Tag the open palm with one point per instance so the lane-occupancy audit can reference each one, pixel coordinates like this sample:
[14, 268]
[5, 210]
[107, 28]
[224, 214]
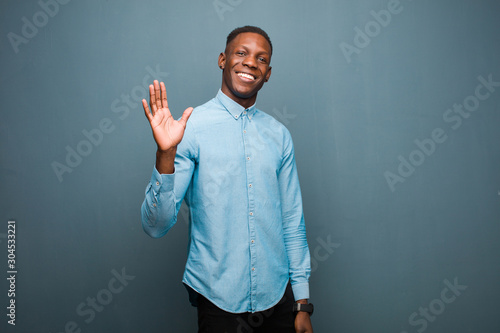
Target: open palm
[167, 131]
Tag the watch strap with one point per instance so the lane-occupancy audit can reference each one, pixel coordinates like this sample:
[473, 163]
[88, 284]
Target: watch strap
[303, 307]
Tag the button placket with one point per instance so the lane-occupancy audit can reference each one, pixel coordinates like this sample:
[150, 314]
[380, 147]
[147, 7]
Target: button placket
[251, 212]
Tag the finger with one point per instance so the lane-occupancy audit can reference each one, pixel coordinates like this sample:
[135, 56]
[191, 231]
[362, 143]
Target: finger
[157, 94]
[146, 110]
[163, 95]
[152, 99]
[185, 116]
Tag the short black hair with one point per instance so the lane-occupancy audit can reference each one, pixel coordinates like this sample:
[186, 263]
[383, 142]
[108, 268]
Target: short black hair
[248, 28]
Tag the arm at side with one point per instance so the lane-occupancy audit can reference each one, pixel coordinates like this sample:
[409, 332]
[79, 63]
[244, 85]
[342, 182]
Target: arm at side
[294, 228]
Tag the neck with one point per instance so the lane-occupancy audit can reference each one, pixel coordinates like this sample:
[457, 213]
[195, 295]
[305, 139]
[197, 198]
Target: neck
[244, 102]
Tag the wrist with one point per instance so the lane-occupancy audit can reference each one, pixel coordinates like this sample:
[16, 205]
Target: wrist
[165, 160]
[166, 152]
[303, 306]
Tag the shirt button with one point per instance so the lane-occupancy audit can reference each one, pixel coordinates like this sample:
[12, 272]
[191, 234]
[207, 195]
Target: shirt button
[251, 213]
[245, 112]
[253, 241]
[235, 116]
[248, 158]
[157, 183]
[250, 185]
[244, 131]
[253, 268]
[154, 205]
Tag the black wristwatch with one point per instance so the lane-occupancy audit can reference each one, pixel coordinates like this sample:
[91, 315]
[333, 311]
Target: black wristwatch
[303, 307]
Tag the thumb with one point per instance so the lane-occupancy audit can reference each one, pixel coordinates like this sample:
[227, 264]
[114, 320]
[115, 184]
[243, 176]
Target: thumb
[185, 116]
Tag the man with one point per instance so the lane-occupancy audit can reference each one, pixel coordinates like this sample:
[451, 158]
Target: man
[248, 260]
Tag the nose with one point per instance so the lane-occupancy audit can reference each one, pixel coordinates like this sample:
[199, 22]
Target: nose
[250, 62]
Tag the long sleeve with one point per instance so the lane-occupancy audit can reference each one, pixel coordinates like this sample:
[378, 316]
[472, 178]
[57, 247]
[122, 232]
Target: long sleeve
[293, 223]
[165, 192]
[235, 168]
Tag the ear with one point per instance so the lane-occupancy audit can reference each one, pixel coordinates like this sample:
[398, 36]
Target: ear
[268, 75]
[222, 60]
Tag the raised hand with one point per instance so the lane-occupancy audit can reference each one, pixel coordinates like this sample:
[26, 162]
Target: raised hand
[167, 131]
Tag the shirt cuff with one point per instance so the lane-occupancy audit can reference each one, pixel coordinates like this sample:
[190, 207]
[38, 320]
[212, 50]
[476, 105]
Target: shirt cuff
[162, 182]
[300, 291]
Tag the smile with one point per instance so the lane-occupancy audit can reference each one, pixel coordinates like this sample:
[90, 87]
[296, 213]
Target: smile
[246, 76]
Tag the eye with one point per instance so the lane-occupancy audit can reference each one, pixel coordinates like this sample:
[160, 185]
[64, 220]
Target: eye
[261, 59]
[240, 53]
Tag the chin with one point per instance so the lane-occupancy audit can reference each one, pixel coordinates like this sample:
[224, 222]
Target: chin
[245, 92]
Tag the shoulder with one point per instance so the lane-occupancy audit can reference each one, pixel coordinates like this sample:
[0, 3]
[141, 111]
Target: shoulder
[205, 113]
[209, 106]
[272, 124]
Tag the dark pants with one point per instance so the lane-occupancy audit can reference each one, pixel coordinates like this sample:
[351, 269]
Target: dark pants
[278, 319]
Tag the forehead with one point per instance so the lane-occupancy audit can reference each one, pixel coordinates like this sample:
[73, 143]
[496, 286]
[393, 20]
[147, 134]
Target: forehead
[251, 39]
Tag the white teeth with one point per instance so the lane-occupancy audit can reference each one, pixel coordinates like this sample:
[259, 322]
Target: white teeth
[247, 76]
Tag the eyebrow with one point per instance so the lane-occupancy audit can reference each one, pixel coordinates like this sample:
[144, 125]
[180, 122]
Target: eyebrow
[246, 48]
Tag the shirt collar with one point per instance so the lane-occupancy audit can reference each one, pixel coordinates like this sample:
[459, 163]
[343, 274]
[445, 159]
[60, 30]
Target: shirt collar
[234, 108]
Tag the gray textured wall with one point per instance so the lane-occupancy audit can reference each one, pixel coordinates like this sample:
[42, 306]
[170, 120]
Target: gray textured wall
[396, 132]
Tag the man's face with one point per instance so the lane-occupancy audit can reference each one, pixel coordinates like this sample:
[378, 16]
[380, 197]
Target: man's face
[245, 65]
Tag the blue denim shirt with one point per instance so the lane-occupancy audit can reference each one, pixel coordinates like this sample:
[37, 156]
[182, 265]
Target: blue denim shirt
[236, 170]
